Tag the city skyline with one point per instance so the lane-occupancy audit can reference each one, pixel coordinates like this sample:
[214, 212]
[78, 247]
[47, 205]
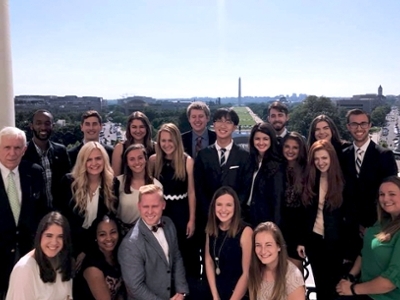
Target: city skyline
[182, 49]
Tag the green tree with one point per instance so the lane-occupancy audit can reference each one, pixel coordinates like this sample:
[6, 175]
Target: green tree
[378, 115]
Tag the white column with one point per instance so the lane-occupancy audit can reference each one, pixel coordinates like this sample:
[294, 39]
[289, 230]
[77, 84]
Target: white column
[7, 113]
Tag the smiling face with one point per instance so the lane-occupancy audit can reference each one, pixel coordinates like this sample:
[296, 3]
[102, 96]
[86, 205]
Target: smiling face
[266, 248]
[291, 150]
[138, 131]
[322, 160]
[224, 128]
[107, 235]
[42, 125]
[359, 134]
[91, 128]
[225, 208]
[136, 161]
[198, 120]
[389, 198]
[151, 207]
[95, 162]
[51, 241]
[262, 142]
[323, 131]
[12, 148]
[167, 144]
[278, 120]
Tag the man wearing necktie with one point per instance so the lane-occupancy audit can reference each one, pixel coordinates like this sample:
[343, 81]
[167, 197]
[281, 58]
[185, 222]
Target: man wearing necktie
[151, 264]
[23, 201]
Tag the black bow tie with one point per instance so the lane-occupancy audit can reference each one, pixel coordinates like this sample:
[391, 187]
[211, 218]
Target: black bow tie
[154, 228]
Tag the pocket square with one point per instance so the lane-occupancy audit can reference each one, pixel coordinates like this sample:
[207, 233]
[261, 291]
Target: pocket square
[233, 167]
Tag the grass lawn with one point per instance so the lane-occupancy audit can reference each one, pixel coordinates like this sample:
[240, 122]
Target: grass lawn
[244, 117]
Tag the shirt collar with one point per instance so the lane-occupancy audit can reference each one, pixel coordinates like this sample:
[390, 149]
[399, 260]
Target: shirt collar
[5, 171]
[227, 148]
[204, 135]
[363, 147]
[40, 151]
[282, 135]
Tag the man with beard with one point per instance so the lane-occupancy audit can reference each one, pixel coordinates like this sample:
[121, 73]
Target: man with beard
[278, 118]
[53, 157]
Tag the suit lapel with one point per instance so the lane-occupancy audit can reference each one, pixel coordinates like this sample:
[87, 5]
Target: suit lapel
[231, 158]
[368, 157]
[4, 203]
[25, 187]
[152, 241]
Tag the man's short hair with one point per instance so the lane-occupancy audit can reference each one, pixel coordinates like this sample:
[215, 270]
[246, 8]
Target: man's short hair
[91, 113]
[356, 112]
[14, 132]
[200, 106]
[279, 106]
[45, 111]
[228, 114]
[150, 189]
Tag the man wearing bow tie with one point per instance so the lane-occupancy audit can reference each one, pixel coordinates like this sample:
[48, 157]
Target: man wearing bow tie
[152, 266]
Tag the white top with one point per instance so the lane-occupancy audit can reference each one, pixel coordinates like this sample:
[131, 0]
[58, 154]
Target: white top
[227, 148]
[294, 279]
[128, 203]
[162, 240]
[25, 283]
[91, 209]
[363, 149]
[4, 174]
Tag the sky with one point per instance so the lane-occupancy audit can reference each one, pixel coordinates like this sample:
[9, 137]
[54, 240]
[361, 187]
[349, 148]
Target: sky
[199, 48]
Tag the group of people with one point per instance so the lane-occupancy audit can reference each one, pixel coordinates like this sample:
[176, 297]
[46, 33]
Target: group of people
[196, 216]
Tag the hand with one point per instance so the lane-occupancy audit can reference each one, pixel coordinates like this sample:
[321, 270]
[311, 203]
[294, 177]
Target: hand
[190, 229]
[178, 297]
[301, 250]
[343, 288]
[78, 262]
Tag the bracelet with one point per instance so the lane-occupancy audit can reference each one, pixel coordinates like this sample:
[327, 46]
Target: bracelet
[353, 292]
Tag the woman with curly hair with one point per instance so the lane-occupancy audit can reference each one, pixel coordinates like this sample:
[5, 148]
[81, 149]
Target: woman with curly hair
[267, 189]
[138, 131]
[272, 276]
[88, 192]
[45, 272]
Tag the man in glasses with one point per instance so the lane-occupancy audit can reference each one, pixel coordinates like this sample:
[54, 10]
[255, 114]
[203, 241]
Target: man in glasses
[366, 164]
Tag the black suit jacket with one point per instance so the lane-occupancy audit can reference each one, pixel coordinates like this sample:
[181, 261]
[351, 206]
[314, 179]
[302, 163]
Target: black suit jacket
[73, 152]
[82, 239]
[33, 207]
[188, 136]
[362, 191]
[210, 176]
[59, 162]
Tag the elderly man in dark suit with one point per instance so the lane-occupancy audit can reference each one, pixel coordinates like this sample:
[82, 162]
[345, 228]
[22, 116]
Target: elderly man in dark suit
[22, 201]
[151, 264]
[91, 125]
[365, 165]
[53, 157]
[199, 137]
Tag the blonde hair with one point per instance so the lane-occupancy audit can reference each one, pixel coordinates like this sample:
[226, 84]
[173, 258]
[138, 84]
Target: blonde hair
[178, 156]
[80, 185]
[150, 189]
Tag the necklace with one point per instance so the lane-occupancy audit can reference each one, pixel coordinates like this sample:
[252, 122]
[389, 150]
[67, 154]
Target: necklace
[217, 269]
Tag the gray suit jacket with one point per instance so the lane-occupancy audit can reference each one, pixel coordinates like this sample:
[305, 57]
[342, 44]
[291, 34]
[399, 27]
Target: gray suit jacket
[145, 270]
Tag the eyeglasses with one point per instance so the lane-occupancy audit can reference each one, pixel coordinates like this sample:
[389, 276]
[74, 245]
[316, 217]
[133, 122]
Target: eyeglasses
[363, 125]
[220, 122]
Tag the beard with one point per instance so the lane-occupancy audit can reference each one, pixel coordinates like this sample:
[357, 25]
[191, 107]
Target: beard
[41, 138]
[278, 126]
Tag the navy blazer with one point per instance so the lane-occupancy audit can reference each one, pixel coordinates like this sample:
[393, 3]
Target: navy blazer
[59, 162]
[145, 270]
[210, 176]
[362, 191]
[187, 140]
[73, 152]
[33, 207]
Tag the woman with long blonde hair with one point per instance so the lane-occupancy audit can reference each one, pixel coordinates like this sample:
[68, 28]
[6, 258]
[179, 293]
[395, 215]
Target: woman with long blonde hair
[89, 191]
[174, 169]
[272, 275]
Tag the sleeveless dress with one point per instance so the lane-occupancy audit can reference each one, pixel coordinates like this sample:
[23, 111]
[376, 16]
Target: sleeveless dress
[229, 253]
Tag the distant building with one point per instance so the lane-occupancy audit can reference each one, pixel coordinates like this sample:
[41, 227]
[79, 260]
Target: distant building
[131, 104]
[366, 102]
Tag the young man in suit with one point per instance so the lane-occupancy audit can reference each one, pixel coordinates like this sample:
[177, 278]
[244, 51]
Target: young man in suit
[278, 116]
[151, 264]
[91, 125]
[53, 157]
[365, 165]
[22, 201]
[199, 137]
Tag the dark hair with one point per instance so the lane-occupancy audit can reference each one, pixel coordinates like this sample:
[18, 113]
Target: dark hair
[334, 197]
[128, 174]
[47, 272]
[357, 112]
[336, 140]
[213, 222]
[44, 111]
[91, 113]
[228, 114]
[279, 106]
[389, 226]
[272, 152]
[300, 163]
[95, 225]
[147, 142]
